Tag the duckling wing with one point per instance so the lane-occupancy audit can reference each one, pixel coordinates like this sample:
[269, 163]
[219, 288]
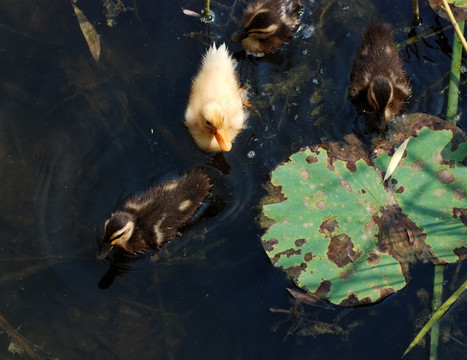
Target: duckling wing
[172, 205]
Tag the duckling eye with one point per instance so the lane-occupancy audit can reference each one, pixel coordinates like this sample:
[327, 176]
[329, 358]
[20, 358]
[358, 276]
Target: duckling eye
[208, 123]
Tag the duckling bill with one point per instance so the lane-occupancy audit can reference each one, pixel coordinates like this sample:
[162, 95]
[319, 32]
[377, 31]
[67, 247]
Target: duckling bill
[148, 221]
[269, 24]
[379, 86]
[215, 114]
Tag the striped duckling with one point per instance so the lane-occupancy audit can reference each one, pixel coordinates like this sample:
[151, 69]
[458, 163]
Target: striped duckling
[379, 87]
[268, 24]
[148, 221]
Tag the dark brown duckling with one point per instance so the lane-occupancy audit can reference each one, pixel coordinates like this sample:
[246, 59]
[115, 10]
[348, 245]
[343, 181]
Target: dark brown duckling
[268, 24]
[148, 221]
[378, 86]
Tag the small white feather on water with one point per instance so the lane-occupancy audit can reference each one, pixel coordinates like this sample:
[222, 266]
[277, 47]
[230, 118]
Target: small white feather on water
[396, 158]
[191, 13]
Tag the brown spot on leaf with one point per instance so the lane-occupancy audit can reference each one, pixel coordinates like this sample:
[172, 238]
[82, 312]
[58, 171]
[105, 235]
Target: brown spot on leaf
[295, 271]
[400, 237]
[350, 150]
[460, 213]
[370, 225]
[320, 204]
[445, 176]
[305, 174]
[300, 242]
[308, 256]
[461, 252]
[351, 166]
[328, 226]
[373, 258]
[384, 292]
[345, 184]
[459, 194]
[340, 250]
[311, 159]
[345, 275]
[269, 244]
[352, 300]
[418, 165]
[288, 253]
[400, 190]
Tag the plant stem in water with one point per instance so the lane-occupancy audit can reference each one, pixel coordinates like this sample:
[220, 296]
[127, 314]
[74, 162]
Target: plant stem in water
[207, 15]
[453, 95]
[415, 13]
[435, 304]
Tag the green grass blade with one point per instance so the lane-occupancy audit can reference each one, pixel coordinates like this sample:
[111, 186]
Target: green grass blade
[437, 315]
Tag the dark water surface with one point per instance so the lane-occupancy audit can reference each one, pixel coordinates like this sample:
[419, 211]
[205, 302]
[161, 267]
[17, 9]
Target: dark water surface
[77, 137]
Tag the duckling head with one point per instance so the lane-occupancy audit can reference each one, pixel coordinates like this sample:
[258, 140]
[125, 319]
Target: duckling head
[263, 32]
[261, 25]
[117, 231]
[215, 124]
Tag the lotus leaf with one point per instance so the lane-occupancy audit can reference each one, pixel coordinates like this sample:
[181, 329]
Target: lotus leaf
[343, 235]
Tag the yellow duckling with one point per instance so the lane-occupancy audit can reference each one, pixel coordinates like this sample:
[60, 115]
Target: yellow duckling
[269, 24]
[378, 86]
[215, 113]
[150, 220]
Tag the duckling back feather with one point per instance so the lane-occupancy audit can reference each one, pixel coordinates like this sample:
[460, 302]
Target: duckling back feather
[218, 72]
[159, 213]
[215, 83]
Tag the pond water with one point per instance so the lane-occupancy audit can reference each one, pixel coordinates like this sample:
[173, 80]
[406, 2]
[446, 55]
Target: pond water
[79, 136]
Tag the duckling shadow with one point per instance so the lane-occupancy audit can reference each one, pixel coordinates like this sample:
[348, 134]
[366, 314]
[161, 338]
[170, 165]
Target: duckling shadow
[118, 266]
[219, 162]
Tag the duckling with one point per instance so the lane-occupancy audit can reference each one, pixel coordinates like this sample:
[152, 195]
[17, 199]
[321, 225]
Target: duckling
[378, 86]
[150, 220]
[268, 24]
[215, 114]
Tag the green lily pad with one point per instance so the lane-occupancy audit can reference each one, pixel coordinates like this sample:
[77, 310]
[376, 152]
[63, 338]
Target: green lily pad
[343, 235]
